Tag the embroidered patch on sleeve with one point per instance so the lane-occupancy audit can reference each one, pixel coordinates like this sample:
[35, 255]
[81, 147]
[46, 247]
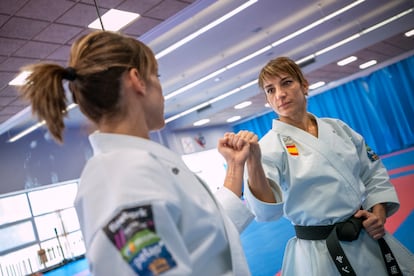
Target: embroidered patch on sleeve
[371, 154]
[133, 233]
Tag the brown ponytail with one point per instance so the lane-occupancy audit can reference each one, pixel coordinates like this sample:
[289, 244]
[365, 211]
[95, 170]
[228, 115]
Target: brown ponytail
[96, 63]
[44, 89]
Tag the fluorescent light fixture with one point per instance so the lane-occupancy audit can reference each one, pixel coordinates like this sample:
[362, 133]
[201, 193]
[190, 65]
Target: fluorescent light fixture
[355, 36]
[316, 85]
[35, 126]
[26, 131]
[367, 64]
[201, 122]
[249, 57]
[204, 29]
[346, 61]
[209, 102]
[20, 79]
[336, 45]
[316, 23]
[243, 105]
[385, 22]
[233, 119]
[260, 51]
[114, 20]
[193, 84]
[305, 59]
[409, 33]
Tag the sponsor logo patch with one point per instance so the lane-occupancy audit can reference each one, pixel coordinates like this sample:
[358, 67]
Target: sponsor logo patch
[133, 233]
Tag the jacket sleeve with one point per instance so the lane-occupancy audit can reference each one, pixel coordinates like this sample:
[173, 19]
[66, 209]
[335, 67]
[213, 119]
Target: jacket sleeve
[374, 175]
[235, 208]
[264, 211]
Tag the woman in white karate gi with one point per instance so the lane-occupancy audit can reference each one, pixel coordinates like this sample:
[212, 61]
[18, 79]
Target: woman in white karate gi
[141, 210]
[318, 172]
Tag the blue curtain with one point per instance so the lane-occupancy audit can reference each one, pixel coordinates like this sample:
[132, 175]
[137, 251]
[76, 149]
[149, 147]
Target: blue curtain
[379, 106]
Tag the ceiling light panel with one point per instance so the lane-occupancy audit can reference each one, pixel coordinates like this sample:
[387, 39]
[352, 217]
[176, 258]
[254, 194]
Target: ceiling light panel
[316, 85]
[243, 105]
[201, 122]
[346, 61]
[233, 119]
[409, 33]
[20, 79]
[114, 20]
[367, 64]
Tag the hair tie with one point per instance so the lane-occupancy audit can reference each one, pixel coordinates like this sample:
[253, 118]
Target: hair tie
[69, 74]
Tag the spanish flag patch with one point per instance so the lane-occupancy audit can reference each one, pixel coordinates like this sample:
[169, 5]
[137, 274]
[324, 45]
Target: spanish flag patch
[290, 146]
[292, 149]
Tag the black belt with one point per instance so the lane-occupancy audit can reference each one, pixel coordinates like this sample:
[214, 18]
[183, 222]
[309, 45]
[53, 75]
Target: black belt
[345, 231]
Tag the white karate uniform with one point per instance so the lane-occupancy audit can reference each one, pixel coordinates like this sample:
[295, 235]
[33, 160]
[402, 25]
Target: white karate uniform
[321, 181]
[179, 220]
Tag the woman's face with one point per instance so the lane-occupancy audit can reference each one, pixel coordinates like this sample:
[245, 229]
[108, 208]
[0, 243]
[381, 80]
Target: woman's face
[155, 107]
[286, 95]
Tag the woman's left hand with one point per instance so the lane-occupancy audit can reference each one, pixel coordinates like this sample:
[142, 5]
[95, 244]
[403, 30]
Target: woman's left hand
[374, 221]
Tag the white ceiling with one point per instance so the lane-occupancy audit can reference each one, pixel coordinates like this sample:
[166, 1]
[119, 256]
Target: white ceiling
[34, 30]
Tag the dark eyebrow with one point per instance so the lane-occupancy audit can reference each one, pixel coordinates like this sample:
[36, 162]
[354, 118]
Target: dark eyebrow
[268, 86]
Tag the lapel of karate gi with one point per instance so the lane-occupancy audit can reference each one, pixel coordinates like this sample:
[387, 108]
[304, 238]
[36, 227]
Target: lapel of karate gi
[320, 146]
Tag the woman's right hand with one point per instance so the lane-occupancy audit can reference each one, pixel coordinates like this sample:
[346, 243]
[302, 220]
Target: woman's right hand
[248, 136]
[234, 149]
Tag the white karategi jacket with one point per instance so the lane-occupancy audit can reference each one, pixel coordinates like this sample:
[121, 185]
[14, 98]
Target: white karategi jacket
[321, 181]
[142, 212]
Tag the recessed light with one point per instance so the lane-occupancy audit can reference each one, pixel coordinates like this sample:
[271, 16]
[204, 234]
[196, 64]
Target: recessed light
[243, 105]
[201, 122]
[346, 61]
[20, 79]
[114, 20]
[316, 85]
[367, 64]
[409, 33]
[233, 119]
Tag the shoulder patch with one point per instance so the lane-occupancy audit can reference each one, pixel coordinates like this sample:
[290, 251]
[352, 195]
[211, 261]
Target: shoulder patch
[371, 154]
[133, 233]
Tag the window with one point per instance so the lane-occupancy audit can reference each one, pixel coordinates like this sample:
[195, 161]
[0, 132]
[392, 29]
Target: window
[25, 261]
[209, 165]
[42, 219]
[16, 235]
[14, 208]
[52, 199]
[57, 223]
